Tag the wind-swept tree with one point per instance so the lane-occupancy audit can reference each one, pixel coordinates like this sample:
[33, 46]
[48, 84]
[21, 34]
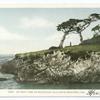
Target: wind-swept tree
[73, 25]
[66, 28]
[81, 26]
[86, 23]
[76, 25]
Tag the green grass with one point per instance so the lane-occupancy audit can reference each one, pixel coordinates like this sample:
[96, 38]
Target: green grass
[78, 48]
[74, 51]
[81, 51]
[31, 53]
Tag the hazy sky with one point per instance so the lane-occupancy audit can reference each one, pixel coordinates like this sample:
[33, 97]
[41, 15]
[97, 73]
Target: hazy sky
[31, 29]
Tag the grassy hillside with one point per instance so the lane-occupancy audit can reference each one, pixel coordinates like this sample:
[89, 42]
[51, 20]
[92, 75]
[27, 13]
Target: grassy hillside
[82, 50]
[74, 51]
[94, 40]
[79, 48]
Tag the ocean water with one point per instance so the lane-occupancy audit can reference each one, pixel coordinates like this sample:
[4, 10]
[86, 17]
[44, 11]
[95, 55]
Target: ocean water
[11, 83]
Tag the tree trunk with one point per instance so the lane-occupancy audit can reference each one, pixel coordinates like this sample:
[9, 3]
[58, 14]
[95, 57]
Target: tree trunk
[62, 40]
[81, 37]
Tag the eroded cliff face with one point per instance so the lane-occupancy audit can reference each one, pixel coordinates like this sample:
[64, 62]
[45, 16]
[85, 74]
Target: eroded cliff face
[56, 67]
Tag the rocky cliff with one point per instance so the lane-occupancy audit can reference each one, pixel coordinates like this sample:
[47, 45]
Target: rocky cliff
[56, 66]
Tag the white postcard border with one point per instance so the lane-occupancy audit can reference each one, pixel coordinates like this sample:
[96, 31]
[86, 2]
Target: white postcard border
[49, 92]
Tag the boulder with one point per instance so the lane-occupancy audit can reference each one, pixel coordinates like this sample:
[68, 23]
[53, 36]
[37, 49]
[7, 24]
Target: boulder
[9, 67]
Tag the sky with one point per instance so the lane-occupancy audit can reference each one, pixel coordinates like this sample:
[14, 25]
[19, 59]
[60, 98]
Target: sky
[33, 29]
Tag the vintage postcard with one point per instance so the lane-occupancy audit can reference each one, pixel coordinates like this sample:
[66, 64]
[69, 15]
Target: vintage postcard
[50, 50]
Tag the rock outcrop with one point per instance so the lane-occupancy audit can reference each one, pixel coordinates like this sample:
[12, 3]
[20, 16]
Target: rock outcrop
[9, 67]
[56, 67]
